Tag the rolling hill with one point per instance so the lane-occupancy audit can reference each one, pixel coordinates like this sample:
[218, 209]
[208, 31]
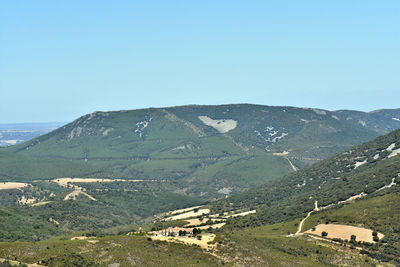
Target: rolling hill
[362, 170]
[355, 188]
[358, 187]
[210, 150]
[182, 156]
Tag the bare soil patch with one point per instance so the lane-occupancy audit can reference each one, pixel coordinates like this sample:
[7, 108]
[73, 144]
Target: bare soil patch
[222, 126]
[182, 210]
[344, 232]
[203, 243]
[12, 185]
[188, 214]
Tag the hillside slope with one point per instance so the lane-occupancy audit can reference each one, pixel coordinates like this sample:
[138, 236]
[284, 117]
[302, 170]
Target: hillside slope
[357, 188]
[363, 170]
[209, 149]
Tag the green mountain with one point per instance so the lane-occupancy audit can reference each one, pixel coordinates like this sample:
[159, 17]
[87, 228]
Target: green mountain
[183, 156]
[363, 169]
[359, 187]
[208, 149]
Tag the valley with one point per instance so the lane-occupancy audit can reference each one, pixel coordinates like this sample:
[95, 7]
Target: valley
[231, 184]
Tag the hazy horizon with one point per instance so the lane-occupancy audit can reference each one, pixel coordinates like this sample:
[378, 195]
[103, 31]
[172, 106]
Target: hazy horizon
[65, 122]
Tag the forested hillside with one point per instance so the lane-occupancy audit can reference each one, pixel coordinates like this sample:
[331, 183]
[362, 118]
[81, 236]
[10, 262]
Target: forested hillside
[365, 170]
[209, 149]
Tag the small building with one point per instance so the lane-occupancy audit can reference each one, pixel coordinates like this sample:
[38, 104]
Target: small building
[173, 231]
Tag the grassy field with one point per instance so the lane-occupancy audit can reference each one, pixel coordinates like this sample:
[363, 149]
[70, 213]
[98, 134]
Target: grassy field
[269, 246]
[379, 213]
[106, 251]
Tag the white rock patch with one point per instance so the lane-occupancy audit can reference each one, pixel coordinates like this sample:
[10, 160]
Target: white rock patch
[388, 186]
[359, 163]
[376, 156]
[335, 117]
[390, 148]
[319, 112]
[363, 123]
[141, 125]
[222, 126]
[394, 153]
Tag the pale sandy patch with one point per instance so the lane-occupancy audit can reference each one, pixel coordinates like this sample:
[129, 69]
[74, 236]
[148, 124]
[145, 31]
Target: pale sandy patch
[89, 238]
[196, 221]
[67, 182]
[391, 146]
[359, 163]
[362, 194]
[284, 153]
[77, 192]
[394, 153]
[319, 111]
[40, 203]
[213, 226]
[344, 232]
[241, 214]
[25, 200]
[219, 216]
[12, 185]
[205, 238]
[64, 181]
[17, 263]
[53, 221]
[222, 126]
[182, 210]
[188, 214]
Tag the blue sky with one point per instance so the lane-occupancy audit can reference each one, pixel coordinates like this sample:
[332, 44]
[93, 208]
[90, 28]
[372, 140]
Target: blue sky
[62, 59]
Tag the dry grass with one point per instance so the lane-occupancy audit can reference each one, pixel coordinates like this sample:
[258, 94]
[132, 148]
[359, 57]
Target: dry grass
[12, 185]
[64, 181]
[182, 210]
[344, 232]
[241, 214]
[188, 214]
[213, 226]
[203, 243]
[17, 263]
[40, 203]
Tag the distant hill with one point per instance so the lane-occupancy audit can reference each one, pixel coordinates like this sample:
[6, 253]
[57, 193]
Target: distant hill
[187, 156]
[16, 133]
[359, 187]
[210, 150]
[364, 170]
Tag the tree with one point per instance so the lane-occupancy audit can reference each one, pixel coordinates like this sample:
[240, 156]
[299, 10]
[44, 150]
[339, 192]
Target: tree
[196, 231]
[182, 233]
[324, 233]
[353, 239]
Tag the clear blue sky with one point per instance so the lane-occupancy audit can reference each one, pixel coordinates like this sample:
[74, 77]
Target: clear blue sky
[62, 59]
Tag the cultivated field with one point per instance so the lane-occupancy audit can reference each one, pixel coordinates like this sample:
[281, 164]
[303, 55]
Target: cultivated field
[203, 243]
[344, 232]
[12, 185]
[188, 214]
